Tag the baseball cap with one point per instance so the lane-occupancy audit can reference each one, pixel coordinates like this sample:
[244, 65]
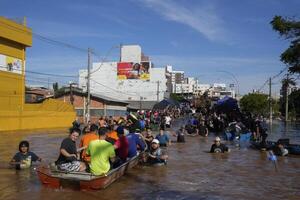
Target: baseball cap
[155, 141]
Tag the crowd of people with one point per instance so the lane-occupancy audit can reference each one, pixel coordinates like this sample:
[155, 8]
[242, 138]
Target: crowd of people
[111, 142]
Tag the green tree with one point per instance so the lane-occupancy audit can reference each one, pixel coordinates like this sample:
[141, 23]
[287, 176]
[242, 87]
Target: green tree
[176, 97]
[290, 30]
[285, 83]
[294, 103]
[255, 103]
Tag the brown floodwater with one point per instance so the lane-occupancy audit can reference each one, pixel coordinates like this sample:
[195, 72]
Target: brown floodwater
[191, 172]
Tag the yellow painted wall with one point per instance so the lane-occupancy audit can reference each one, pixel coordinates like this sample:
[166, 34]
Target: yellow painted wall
[14, 113]
[49, 114]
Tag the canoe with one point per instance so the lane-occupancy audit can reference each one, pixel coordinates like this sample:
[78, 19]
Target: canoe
[83, 180]
[293, 149]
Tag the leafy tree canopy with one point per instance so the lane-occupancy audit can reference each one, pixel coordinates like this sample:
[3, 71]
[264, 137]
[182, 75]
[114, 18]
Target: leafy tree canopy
[255, 103]
[289, 29]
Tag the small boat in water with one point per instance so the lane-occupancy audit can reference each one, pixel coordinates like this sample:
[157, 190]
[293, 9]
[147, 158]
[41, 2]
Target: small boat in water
[293, 149]
[83, 180]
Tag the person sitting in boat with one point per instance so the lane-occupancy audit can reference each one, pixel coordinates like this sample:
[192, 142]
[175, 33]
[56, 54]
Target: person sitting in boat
[68, 157]
[24, 158]
[87, 128]
[112, 135]
[156, 155]
[279, 150]
[86, 139]
[135, 141]
[218, 147]
[121, 145]
[101, 153]
[163, 138]
[148, 138]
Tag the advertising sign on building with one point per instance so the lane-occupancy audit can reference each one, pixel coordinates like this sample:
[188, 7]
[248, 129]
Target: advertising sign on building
[130, 70]
[10, 64]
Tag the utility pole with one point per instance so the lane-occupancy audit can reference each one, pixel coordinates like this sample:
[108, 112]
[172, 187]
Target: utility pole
[87, 117]
[270, 99]
[141, 98]
[287, 98]
[157, 93]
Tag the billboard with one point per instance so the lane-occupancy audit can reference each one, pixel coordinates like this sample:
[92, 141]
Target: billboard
[131, 70]
[10, 64]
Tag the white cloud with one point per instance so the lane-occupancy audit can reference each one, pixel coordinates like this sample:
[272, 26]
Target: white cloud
[202, 19]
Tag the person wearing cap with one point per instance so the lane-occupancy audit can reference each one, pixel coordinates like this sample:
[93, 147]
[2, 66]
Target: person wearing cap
[102, 153]
[86, 139]
[121, 145]
[218, 147]
[156, 155]
[24, 158]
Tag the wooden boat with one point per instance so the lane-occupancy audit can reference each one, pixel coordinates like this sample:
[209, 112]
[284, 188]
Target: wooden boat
[83, 180]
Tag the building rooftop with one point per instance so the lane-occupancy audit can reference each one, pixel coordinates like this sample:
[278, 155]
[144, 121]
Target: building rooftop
[78, 91]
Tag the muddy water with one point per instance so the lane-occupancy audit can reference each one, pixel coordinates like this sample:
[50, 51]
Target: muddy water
[191, 173]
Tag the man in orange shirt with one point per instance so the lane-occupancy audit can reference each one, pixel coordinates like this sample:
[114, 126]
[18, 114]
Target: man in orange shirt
[86, 139]
[112, 135]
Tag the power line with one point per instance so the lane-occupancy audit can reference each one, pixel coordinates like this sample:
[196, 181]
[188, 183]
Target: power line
[273, 77]
[41, 73]
[60, 43]
[49, 40]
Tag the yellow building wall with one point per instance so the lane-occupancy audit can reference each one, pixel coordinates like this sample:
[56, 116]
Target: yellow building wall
[14, 113]
[49, 114]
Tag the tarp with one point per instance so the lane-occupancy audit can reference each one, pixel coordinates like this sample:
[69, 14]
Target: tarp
[165, 103]
[227, 104]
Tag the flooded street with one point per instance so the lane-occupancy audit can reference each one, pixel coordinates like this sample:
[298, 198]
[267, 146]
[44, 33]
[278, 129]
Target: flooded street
[191, 173]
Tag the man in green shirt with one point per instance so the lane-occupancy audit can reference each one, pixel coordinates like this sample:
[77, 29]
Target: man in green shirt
[101, 152]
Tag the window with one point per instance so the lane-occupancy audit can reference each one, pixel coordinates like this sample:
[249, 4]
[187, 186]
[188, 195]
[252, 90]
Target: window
[96, 112]
[79, 112]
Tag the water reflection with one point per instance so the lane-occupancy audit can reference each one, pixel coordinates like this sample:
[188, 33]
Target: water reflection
[191, 173]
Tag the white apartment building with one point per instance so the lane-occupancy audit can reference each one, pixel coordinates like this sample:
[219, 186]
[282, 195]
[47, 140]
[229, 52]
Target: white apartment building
[121, 80]
[174, 77]
[219, 90]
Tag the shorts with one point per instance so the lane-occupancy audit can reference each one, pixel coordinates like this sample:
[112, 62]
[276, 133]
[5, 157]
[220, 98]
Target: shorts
[73, 166]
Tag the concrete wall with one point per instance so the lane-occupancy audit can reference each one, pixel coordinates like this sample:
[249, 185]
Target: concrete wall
[14, 113]
[49, 114]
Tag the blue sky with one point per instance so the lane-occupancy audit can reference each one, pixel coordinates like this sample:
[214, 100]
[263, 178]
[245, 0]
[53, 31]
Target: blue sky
[201, 37]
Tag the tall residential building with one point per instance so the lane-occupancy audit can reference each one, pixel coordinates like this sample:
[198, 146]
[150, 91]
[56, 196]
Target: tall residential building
[173, 78]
